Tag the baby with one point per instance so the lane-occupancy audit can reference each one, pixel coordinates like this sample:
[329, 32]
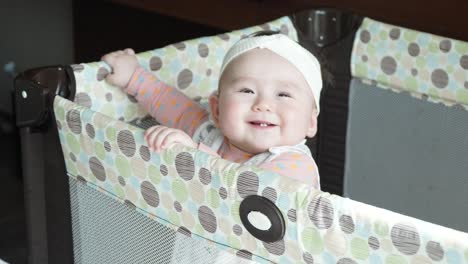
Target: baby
[266, 104]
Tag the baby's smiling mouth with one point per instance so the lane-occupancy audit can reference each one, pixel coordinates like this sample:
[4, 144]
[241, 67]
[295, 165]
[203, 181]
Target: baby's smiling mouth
[263, 124]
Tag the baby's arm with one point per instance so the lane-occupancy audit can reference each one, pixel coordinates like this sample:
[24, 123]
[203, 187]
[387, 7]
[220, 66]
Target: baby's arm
[166, 104]
[296, 166]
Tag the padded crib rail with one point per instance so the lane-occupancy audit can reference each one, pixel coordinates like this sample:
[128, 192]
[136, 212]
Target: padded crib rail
[199, 195]
[191, 66]
[427, 66]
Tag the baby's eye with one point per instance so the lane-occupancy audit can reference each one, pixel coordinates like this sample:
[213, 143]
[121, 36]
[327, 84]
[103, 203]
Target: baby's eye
[283, 94]
[246, 90]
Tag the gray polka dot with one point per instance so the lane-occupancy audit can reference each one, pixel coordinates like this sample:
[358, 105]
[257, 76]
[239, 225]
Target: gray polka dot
[130, 204]
[203, 50]
[466, 85]
[97, 169]
[77, 67]
[413, 49]
[439, 78]
[405, 238]
[81, 179]
[388, 65]
[320, 211]
[247, 184]
[126, 143]
[414, 72]
[292, 215]
[464, 62]
[284, 29]
[90, 130]
[180, 46]
[270, 194]
[149, 193]
[365, 36]
[265, 26]
[224, 37]
[184, 231]
[308, 259]
[163, 170]
[131, 99]
[435, 251]
[204, 175]
[83, 99]
[74, 121]
[107, 146]
[184, 79]
[145, 153]
[237, 229]
[155, 63]
[59, 125]
[394, 33]
[185, 165]
[222, 193]
[72, 156]
[122, 181]
[347, 224]
[373, 243]
[207, 219]
[208, 72]
[346, 261]
[108, 97]
[177, 206]
[244, 254]
[424, 97]
[364, 58]
[275, 248]
[102, 73]
[445, 45]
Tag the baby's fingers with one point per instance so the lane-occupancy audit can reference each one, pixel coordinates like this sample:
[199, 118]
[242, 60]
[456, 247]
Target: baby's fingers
[155, 135]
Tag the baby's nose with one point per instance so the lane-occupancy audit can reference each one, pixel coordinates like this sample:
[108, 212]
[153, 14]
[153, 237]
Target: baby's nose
[262, 107]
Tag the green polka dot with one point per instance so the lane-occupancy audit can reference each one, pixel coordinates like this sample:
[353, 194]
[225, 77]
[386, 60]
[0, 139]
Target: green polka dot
[461, 47]
[100, 150]
[420, 62]
[213, 198]
[410, 36]
[234, 242]
[462, 95]
[395, 259]
[171, 52]
[71, 168]
[174, 218]
[59, 113]
[229, 176]
[466, 255]
[449, 69]
[199, 229]
[433, 47]
[119, 192]
[303, 198]
[383, 35]
[371, 50]
[123, 166]
[73, 143]
[130, 111]
[411, 83]
[110, 133]
[179, 190]
[235, 212]
[359, 248]
[168, 156]
[381, 229]
[382, 78]
[312, 240]
[361, 69]
[154, 174]
[108, 109]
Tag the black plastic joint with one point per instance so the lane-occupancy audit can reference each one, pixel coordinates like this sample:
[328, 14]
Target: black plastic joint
[35, 90]
[266, 209]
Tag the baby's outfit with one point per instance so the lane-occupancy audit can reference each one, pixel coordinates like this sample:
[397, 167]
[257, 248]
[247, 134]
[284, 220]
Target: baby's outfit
[172, 108]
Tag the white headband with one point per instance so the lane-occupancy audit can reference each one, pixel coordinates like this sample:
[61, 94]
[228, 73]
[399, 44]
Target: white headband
[285, 47]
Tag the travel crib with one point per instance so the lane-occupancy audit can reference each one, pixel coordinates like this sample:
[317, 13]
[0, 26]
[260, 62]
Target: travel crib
[122, 203]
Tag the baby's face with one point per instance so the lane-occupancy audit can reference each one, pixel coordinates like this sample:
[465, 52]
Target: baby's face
[263, 102]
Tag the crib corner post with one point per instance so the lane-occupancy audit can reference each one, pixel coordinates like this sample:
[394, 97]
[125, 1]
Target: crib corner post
[46, 192]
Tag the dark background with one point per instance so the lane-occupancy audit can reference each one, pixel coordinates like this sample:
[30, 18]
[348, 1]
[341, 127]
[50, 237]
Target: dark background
[49, 32]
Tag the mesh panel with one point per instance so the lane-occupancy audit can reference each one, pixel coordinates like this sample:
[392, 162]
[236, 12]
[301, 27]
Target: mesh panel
[107, 231]
[407, 155]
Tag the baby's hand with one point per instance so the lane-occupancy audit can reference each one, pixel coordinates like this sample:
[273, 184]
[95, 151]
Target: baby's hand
[161, 137]
[123, 64]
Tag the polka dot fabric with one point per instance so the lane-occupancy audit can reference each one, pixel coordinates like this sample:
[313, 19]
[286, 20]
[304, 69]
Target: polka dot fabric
[191, 66]
[427, 66]
[199, 195]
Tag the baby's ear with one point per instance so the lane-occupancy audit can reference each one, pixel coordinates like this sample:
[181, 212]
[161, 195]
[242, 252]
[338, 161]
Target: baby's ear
[214, 107]
[312, 129]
